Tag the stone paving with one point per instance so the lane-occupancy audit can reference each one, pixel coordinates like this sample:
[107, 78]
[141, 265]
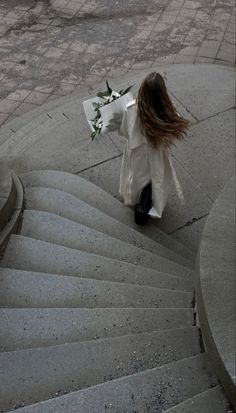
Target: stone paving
[52, 48]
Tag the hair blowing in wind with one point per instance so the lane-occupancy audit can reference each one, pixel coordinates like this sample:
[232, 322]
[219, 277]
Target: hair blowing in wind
[160, 122]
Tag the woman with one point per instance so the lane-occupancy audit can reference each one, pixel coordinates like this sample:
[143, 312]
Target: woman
[151, 125]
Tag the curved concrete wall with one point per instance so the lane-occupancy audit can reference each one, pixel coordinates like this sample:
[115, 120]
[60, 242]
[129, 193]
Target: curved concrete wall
[11, 203]
[7, 194]
[215, 288]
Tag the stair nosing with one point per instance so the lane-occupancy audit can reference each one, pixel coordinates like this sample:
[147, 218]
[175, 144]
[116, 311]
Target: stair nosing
[164, 260]
[187, 263]
[107, 339]
[18, 236]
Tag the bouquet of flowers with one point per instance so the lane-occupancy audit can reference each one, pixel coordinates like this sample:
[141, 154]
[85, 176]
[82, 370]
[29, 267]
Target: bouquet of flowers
[104, 112]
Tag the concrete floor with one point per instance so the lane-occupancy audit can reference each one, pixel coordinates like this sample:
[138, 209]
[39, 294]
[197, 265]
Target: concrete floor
[52, 48]
[56, 136]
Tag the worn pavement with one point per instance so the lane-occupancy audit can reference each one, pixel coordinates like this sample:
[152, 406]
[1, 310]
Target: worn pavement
[52, 48]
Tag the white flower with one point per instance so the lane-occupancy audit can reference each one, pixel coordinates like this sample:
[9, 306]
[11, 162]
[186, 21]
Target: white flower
[115, 94]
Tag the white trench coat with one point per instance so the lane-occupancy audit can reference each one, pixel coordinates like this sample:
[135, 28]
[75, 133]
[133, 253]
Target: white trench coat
[141, 164]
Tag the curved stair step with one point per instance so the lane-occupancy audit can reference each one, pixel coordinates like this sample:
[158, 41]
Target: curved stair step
[36, 374]
[18, 142]
[127, 273]
[51, 228]
[68, 206]
[98, 198]
[53, 117]
[35, 117]
[64, 145]
[49, 118]
[30, 289]
[151, 391]
[39, 327]
[39, 256]
[209, 401]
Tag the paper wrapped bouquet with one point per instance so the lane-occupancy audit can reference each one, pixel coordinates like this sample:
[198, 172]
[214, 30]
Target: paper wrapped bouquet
[104, 112]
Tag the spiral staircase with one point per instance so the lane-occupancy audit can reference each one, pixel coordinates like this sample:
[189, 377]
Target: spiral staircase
[96, 309]
[97, 314]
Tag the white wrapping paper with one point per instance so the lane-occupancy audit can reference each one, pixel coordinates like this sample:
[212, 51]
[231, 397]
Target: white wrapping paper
[111, 113]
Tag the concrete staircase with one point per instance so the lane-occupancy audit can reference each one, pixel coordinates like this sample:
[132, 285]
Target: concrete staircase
[97, 313]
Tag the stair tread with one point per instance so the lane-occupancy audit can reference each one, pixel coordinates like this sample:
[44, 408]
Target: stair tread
[34, 289]
[129, 273]
[38, 120]
[68, 206]
[209, 401]
[44, 370]
[149, 391]
[95, 196]
[35, 255]
[52, 228]
[38, 327]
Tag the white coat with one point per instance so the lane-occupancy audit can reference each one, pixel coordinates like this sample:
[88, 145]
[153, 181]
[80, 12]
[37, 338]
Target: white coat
[142, 163]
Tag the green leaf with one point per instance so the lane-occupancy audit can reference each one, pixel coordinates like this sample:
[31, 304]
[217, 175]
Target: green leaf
[96, 106]
[126, 90]
[101, 94]
[108, 88]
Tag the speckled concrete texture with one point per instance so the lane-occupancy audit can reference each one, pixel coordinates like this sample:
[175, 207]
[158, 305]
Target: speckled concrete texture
[216, 287]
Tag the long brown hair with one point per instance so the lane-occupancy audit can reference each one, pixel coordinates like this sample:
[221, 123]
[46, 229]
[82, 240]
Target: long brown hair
[159, 119]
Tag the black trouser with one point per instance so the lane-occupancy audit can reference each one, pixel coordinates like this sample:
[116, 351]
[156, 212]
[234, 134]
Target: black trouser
[142, 209]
